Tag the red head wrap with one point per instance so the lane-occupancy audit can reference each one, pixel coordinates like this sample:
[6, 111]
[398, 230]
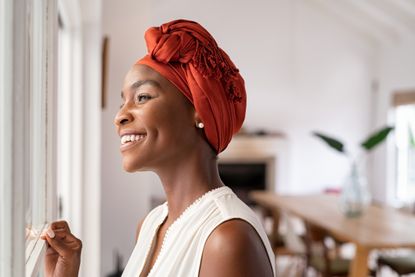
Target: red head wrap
[187, 55]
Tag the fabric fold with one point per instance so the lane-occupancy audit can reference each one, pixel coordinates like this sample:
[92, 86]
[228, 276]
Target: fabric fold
[186, 54]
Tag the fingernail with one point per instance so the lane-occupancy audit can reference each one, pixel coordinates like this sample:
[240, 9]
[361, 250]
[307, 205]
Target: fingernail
[50, 233]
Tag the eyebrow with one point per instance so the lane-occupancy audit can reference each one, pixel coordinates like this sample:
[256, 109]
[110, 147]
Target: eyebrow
[139, 83]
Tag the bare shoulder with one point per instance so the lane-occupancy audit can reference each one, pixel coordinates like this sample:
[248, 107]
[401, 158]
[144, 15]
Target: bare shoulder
[234, 248]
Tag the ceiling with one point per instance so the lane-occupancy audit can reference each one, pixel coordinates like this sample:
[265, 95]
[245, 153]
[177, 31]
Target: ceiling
[382, 20]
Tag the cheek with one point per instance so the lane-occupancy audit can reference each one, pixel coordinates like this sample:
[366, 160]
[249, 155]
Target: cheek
[170, 123]
[156, 117]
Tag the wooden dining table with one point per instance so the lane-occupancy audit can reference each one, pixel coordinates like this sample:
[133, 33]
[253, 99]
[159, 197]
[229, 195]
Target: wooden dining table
[379, 227]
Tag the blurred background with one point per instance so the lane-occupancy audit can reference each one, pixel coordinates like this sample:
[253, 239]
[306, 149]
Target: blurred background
[344, 68]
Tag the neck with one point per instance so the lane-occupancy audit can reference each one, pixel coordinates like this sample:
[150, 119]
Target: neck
[186, 181]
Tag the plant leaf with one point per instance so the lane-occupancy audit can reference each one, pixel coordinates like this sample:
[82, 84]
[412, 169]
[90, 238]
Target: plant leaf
[376, 138]
[334, 143]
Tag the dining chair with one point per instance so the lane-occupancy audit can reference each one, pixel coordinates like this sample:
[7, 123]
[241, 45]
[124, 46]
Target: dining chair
[319, 256]
[288, 245]
[402, 265]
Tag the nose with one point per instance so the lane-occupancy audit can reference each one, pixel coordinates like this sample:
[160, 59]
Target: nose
[123, 117]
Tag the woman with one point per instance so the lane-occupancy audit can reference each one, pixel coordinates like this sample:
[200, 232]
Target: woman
[182, 103]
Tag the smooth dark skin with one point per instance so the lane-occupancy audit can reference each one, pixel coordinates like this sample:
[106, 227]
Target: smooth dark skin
[63, 254]
[179, 154]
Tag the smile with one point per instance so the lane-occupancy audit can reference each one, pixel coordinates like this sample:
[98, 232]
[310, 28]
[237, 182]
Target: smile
[131, 139]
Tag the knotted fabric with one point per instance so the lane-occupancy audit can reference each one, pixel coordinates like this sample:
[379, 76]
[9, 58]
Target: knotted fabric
[187, 55]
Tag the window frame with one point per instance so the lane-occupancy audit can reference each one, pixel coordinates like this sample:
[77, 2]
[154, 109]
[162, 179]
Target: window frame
[84, 204]
[12, 215]
[18, 256]
[398, 98]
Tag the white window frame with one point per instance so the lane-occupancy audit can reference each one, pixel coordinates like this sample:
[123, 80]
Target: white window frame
[85, 153]
[69, 169]
[82, 27]
[18, 83]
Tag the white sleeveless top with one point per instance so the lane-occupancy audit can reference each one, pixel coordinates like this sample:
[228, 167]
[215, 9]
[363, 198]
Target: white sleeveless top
[182, 247]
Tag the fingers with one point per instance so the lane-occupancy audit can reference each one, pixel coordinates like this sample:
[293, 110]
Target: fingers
[57, 227]
[60, 225]
[61, 240]
[48, 232]
[67, 247]
[63, 254]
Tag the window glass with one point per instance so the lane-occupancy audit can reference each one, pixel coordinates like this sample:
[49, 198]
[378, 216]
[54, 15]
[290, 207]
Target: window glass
[4, 151]
[64, 123]
[38, 117]
[35, 117]
[405, 146]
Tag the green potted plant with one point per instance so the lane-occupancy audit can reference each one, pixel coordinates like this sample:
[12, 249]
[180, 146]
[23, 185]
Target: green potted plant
[355, 195]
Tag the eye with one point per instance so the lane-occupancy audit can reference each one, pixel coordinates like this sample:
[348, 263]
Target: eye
[122, 105]
[141, 98]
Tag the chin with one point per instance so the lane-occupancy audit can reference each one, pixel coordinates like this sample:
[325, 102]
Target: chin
[129, 167]
[129, 170]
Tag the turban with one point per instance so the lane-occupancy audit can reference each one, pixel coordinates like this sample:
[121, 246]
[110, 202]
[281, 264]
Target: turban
[187, 55]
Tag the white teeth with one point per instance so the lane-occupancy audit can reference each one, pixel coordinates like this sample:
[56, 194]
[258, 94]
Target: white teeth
[129, 138]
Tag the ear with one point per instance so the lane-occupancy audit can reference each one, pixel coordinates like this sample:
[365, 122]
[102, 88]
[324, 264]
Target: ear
[198, 121]
[196, 117]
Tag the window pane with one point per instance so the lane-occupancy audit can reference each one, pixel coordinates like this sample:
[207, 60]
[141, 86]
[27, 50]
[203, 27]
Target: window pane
[405, 144]
[26, 118]
[64, 123]
[5, 151]
[38, 116]
[35, 190]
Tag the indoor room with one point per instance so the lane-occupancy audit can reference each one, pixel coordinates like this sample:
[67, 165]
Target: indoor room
[324, 156]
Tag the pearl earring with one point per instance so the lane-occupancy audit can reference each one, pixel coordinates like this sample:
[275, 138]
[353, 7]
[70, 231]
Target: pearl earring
[200, 125]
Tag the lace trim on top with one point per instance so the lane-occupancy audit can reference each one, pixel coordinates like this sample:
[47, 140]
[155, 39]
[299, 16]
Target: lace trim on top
[175, 222]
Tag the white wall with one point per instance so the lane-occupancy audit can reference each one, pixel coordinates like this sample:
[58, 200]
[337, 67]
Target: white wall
[304, 71]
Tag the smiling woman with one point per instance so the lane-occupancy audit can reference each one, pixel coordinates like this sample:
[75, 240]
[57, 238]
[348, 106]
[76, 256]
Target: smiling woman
[181, 105]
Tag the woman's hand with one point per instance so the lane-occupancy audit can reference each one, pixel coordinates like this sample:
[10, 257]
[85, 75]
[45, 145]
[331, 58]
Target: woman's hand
[63, 255]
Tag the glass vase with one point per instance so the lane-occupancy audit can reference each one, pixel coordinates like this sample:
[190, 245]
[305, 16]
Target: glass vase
[355, 196]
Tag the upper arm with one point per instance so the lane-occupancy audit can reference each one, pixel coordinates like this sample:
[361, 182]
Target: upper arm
[137, 232]
[235, 249]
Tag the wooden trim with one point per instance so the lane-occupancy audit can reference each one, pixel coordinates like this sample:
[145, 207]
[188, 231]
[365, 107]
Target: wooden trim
[403, 97]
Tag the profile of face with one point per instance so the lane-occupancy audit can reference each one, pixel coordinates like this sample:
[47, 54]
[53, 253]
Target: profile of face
[156, 122]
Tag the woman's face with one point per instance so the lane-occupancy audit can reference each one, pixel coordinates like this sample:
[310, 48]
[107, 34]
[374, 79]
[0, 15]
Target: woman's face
[156, 123]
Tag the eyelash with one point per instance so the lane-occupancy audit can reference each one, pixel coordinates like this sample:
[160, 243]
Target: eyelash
[148, 97]
[140, 96]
